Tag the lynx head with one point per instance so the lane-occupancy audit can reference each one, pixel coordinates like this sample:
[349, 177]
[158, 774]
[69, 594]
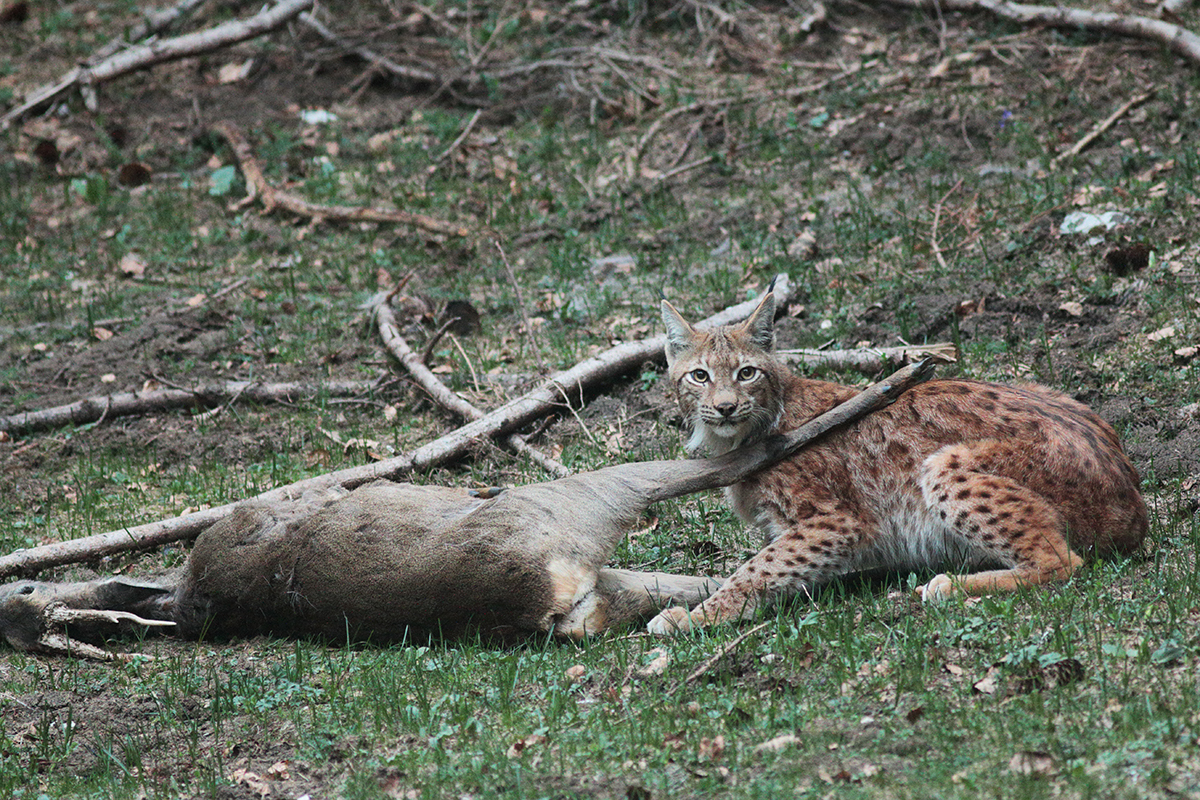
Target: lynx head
[728, 383]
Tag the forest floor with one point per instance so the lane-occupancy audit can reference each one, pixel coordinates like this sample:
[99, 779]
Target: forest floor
[908, 171]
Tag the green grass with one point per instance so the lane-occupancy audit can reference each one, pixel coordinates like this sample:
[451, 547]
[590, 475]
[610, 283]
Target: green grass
[1084, 690]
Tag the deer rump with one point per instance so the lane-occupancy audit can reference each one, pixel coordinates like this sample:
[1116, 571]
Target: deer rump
[395, 561]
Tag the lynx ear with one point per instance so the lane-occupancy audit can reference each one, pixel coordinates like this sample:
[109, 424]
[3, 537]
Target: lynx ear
[760, 326]
[679, 331]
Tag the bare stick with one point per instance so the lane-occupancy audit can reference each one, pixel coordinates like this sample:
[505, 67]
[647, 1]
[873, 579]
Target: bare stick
[870, 359]
[1099, 128]
[272, 198]
[726, 650]
[366, 54]
[512, 278]
[597, 369]
[124, 404]
[462, 137]
[154, 22]
[157, 52]
[393, 340]
[1176, 37]
[933, 231]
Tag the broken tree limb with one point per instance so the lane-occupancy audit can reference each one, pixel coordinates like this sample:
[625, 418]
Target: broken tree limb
[393, 340]
[272, 198]
[1176, 37]
[870, 359]
[599, 368]
[155, 52]
[122, 404]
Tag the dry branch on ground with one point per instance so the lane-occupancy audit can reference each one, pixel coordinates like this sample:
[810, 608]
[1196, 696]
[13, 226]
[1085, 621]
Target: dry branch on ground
[441, 394]
[123, 404]
[1176, 37]
[870, 359]
[123, 62]
[272, 198]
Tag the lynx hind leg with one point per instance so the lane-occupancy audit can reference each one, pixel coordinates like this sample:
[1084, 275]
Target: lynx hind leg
[617, 596]
[998, 517]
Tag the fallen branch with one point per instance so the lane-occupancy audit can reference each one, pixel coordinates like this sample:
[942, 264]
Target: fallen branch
[870, 359]
[366, 54]
[257, 187]
[504, 420]
[726, 650]
[141, 56]
[1176, 37]
[393, 340]
[1099, 128]
[123, 404]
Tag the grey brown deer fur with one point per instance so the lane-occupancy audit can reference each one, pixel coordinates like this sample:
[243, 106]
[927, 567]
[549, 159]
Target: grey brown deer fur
[392, 561]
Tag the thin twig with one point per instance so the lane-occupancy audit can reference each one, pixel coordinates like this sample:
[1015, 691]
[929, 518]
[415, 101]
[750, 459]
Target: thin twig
[726, 650]
[933, 232]
[682, 168]
[383, 63]
[574, 413]
[512, 278]
[462, 137]
[427, 351]
[1099, 128]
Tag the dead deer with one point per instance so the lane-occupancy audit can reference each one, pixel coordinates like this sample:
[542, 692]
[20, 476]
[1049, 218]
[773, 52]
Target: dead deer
[394, 561]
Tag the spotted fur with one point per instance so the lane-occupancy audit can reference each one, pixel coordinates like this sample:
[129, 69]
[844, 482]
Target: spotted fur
[1006, 486]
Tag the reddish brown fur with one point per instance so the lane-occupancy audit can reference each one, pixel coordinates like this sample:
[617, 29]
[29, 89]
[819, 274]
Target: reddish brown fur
[956, 473]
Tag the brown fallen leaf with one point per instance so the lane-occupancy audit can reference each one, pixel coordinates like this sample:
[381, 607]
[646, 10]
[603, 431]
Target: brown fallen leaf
[518, 748]
[712, 749]
[132, 266]
[989, 683]
[777, 744]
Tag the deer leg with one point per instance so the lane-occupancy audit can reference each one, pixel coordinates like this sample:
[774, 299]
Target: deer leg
[619, 596]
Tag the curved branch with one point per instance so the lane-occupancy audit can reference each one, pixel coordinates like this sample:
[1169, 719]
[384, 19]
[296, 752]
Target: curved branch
[1176, 37]
[389, 332]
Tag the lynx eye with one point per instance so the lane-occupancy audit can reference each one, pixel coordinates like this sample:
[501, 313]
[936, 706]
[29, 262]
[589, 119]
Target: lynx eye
[747, 373]
[699, 375]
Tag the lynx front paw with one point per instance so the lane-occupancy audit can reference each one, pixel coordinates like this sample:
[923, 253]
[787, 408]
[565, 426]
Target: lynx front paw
[937, 589]
[670, 621]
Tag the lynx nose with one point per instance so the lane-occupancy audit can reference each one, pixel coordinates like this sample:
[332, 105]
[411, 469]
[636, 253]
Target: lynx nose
[726, 409]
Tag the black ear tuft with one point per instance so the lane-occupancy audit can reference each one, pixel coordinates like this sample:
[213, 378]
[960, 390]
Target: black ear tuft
[760, 326]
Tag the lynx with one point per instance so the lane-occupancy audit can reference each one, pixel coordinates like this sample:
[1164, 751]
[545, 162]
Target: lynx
[1017, 481]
